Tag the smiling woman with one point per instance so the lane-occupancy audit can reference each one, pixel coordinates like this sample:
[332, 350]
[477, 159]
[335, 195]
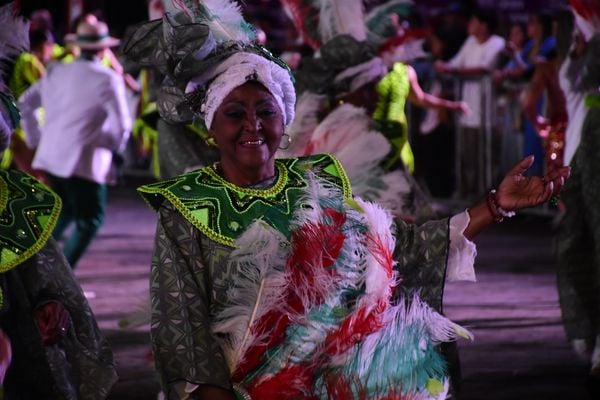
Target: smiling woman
[250, 128]
[269, 280]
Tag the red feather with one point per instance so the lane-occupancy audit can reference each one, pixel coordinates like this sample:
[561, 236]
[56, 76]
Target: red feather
[382, 253]
[314, 247]
[588, 9]
[390, 44]
[305, 18]
[342, 388]
[354, 328]
[290, 383]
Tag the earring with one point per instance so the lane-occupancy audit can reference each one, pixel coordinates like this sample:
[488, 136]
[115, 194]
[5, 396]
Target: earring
[286, 141]
[210, 141]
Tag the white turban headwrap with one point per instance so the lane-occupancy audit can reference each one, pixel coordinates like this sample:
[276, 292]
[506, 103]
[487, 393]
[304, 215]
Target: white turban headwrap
[239, 69]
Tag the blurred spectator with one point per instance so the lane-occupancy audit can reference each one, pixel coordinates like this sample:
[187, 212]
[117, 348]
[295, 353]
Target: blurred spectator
[540, 47]
[435, 132]
[41, 20]
[87, 121]
[106, 55]
[31, 66]
[476, 58]
[550, 124]
[28, 68]
[515, 41]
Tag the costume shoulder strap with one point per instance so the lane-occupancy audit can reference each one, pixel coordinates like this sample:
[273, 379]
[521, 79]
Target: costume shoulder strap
[222, 211]
[28, 213]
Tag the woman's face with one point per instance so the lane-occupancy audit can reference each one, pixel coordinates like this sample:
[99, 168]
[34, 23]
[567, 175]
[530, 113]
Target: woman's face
[248, 126]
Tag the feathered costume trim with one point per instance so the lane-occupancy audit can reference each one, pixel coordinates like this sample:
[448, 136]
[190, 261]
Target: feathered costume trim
[348, 132]
[14, 40]
[223, 17]
[318, 317]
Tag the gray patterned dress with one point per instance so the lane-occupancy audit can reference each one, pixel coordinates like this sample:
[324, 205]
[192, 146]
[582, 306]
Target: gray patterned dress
[33, 272]
[191, 276]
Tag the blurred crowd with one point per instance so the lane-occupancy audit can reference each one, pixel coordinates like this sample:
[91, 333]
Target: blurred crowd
[458, 53]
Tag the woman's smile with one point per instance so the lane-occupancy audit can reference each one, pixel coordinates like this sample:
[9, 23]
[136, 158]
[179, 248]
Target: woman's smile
[251, 142]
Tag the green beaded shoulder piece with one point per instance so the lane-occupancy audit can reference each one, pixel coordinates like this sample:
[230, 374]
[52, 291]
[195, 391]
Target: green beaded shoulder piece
[223, 211]
[28, 213]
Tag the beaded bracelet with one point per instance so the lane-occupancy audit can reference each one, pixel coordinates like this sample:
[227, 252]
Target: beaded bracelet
[497, 212]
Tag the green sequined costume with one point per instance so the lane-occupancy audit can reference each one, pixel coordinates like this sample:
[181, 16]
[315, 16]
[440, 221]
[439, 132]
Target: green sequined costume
[201, 215]
[33, 271]
[393, 90]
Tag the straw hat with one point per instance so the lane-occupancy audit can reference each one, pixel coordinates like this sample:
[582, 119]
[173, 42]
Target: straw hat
[92, 35]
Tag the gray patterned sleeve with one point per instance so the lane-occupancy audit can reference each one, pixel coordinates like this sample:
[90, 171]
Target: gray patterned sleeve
[421, 253]
[183, 345]
[82, 363]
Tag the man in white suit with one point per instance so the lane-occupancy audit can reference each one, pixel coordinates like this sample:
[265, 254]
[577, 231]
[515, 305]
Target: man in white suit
[87, 120]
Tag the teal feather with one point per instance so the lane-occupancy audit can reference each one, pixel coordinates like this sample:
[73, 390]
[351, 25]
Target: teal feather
[403, 357]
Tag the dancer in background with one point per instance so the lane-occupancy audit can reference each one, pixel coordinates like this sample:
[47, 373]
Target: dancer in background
[579, 229]
[87, 123]
[352, 104]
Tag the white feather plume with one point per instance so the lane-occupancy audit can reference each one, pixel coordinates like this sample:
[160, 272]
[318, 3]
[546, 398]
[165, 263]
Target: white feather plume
[392, 190]
[306, 120]
[14, 39]
[225, 20]
[260, 257]
[338, 17]
[378, 285]
[345, 132]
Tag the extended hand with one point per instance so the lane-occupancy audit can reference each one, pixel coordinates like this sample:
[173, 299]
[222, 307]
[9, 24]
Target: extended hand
[517, 191]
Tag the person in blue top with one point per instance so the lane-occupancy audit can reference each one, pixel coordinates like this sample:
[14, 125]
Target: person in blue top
[540, 47]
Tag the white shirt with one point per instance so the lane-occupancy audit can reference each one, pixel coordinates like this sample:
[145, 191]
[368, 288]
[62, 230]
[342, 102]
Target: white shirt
[86, 119]
[473, 54]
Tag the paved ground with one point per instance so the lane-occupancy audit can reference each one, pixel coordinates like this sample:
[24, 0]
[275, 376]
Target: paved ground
[519, 351]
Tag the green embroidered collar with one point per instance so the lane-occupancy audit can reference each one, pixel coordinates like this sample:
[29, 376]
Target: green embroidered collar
[28, 214]
[222, 211]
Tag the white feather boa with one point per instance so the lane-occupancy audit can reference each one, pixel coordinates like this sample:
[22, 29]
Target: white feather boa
[260, 258]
